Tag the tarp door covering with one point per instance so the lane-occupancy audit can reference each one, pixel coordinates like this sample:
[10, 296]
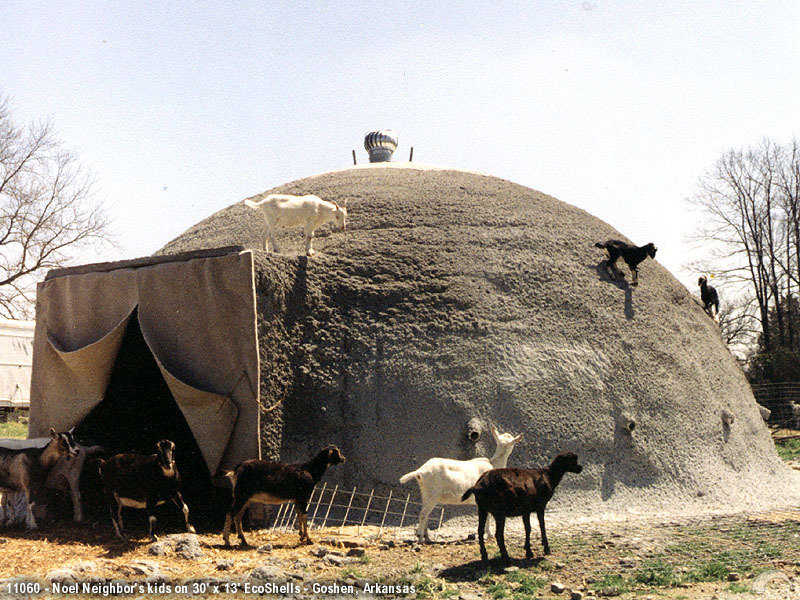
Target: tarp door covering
[197, 315]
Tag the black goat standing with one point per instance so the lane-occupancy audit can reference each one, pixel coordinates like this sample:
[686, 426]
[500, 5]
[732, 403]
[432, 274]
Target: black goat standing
[144, 482]
[632, 255]
[265, 482]
[518, 493]
[709, 297]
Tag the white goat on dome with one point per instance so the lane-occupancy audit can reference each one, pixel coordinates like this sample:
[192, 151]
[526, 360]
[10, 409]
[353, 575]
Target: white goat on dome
[444, 480]
[285, 210]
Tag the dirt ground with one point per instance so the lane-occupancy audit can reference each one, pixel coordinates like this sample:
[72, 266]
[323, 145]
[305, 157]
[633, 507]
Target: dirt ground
[693, 558]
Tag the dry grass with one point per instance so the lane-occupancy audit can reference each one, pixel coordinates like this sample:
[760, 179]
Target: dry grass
[668, 560]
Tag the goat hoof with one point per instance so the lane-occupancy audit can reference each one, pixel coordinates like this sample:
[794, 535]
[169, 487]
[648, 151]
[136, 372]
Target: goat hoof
[191, 529]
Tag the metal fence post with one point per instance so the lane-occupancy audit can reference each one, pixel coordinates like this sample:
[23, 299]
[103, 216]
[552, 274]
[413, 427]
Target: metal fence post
[319, 499]
[385, 510]
[333, 495]
[405, 506]
[366, 510]
[347, 512]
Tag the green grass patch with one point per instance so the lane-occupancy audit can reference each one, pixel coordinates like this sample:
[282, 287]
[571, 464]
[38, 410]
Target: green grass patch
[498, 590]
[351, 572]
[612, 584]
[739, 588]
[13, 429]
[528, 584]
[788, 449]
[430, 587]
[657, 573]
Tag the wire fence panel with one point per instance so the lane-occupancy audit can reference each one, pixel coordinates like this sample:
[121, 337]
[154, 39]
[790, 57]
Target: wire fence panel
[335, 507]
[783, 401]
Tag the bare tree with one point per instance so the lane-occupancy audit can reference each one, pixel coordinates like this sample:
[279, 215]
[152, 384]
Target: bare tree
[745, 221]
[738, 323]
[46, 210]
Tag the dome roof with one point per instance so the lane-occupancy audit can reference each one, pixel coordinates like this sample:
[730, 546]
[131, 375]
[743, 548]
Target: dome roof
[456, 296]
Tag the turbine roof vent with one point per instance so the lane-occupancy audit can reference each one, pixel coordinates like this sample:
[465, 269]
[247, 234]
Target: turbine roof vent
[381, 145]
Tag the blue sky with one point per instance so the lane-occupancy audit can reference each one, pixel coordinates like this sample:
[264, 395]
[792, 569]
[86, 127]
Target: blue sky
[183, 108]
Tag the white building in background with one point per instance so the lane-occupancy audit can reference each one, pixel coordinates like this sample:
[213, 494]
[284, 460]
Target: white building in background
[16, 356]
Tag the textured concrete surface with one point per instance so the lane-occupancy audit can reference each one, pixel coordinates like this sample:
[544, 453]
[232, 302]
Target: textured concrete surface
[456, 296]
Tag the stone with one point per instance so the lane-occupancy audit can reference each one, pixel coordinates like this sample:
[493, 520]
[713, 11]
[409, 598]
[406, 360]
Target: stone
[576, 595]
[334, 560]
[319, 551]
[267, 573]
[159, 548]
[356, 552]
[511, 569]
[62, 576]
[84, 566]
[556, 587]
[225, 565]
[733, 576]
[263, 549]
[144, 567]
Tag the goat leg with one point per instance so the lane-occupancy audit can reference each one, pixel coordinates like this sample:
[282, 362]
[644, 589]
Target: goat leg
[116, 516]
[181, 504]
[237, 519]
[309, 242]
[271, 240]
[301, 519]
[226, 531]
[150, 505]
[545, 544]
[500, 523]
[77, 508]
[481, 531]
[526, 520]
[422, 528]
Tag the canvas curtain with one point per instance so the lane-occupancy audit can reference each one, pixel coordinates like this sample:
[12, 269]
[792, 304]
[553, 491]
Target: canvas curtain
[198, 317]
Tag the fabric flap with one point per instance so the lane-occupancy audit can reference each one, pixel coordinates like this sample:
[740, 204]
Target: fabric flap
[210, 416]
[90, 370]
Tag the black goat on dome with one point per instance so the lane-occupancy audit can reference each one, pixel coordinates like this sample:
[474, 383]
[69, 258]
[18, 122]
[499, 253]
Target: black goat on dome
[709, 297]
[632, 255]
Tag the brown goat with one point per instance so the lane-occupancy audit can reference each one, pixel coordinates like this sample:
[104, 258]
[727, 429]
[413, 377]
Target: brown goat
[265, 482]
[26, 470]
[143, 481]
[518, 493]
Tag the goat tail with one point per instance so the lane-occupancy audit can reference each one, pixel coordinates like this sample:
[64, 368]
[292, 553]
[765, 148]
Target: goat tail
[408, 477]
[467, 494]
[600, 245]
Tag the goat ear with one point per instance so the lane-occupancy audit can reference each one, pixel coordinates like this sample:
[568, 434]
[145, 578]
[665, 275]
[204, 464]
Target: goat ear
[518, 438]
[344, 202]
[53, 433]
[495, 433]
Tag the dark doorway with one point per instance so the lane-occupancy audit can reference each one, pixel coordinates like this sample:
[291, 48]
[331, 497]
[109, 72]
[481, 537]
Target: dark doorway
[137, 411]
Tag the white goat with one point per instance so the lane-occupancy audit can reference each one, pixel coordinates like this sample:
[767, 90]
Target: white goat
[444, 480]
[284, 210]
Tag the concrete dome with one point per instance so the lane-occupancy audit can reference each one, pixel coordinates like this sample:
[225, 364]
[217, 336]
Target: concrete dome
[457, 297]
